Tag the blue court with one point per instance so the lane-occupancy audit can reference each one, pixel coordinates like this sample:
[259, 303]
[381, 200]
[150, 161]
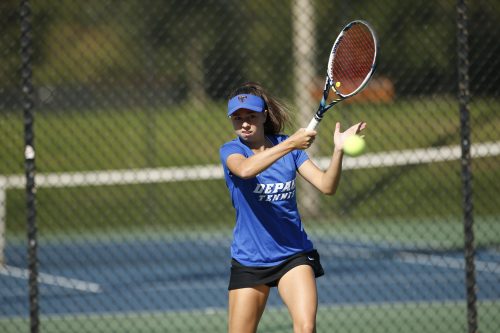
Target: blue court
[190, 273]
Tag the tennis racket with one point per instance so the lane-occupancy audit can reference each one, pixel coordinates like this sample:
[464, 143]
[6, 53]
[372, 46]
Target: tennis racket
[350, 66]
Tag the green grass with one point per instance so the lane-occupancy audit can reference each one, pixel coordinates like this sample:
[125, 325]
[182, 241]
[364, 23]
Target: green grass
[72, 140]
[423, 211]
[188, 134]
[398, 318]
[369, 201]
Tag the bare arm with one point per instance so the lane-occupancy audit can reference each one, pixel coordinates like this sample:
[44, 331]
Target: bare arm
[327, 181]
[250, 167]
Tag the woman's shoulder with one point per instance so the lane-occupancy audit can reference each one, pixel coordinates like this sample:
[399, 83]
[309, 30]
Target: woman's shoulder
[233, 142]
[233, 146]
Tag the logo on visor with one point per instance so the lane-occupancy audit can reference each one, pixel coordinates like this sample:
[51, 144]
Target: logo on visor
[242, 99]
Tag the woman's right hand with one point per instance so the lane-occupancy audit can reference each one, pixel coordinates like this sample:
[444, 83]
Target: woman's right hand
[303, 138]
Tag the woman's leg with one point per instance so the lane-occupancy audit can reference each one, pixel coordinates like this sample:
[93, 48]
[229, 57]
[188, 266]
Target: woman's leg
[298, 290]
[246, 306]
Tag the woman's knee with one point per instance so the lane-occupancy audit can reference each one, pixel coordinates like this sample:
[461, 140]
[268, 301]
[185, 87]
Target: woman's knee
[304, 326]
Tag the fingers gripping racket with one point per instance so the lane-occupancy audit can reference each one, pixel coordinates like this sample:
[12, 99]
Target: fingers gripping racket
[350, 66]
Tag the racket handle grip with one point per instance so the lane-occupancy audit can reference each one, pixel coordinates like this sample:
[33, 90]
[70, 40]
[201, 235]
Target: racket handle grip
[313, 124]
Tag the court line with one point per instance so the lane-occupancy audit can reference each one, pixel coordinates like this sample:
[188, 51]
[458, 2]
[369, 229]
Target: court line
[447, 262]
[53, 280]
[370, 250]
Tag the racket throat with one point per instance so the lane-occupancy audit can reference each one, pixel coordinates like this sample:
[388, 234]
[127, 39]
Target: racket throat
[318, 117]
[314, 122]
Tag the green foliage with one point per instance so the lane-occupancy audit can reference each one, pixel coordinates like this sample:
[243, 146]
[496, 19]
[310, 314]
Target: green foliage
[213, 45]
[9, 43]
[114, 41]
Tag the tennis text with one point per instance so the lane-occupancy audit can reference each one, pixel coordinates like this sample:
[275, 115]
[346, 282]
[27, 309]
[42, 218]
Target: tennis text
[275, 191]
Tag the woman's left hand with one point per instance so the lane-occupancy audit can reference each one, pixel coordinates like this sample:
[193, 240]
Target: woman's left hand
[339, 137]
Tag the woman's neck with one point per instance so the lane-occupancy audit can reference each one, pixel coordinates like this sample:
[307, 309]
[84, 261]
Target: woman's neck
[260, 145]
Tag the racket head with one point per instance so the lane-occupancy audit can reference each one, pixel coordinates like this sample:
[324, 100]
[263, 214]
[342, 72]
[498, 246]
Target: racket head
[352, 60]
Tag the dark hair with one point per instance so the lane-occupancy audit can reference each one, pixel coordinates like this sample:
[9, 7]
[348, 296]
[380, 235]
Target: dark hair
[277, 117]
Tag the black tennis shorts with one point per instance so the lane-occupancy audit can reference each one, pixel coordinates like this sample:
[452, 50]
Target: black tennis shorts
[244, 276]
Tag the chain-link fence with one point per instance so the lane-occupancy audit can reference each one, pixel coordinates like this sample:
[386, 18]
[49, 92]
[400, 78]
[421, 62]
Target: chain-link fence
[133, 217]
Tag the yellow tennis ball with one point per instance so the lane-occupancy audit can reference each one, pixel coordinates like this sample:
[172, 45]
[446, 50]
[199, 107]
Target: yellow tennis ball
[354, 145]
[337, 84]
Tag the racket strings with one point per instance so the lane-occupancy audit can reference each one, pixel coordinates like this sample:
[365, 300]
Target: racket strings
[353, 60]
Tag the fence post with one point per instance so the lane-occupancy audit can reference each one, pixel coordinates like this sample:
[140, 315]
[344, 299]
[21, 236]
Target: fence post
[29, 159]
[304, 77]
[463, 100]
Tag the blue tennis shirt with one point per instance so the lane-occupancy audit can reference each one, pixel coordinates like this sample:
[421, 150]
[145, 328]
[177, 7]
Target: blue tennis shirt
[268, 226]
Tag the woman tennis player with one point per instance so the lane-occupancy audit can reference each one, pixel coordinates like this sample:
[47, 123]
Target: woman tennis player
[270, 247]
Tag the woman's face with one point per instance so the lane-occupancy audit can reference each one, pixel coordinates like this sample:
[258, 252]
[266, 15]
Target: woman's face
[249, 125]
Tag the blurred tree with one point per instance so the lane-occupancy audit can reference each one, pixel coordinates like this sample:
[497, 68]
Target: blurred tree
[9, 43]
[484, 27]
[204, 48]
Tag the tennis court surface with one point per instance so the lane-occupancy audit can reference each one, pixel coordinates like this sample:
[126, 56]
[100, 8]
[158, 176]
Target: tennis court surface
[191, 275]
